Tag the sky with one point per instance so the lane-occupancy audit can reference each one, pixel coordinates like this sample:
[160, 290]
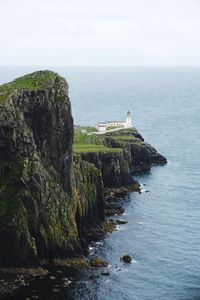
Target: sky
[100, 32]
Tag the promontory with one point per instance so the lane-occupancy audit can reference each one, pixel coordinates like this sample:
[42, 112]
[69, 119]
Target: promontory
[52, 181]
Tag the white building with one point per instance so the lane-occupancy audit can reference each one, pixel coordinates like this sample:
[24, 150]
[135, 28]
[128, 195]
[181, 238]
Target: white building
[103, 126]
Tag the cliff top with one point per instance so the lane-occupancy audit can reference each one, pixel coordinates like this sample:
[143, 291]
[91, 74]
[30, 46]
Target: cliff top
[84, 142]
[39, 80]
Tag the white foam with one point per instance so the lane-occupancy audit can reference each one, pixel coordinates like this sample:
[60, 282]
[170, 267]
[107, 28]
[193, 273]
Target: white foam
[133, 261]
[98, 243]
[140, 222]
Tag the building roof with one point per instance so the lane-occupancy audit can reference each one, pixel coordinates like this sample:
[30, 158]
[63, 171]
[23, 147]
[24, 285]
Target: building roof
[115, 122]
[102, 124]
[105, 123]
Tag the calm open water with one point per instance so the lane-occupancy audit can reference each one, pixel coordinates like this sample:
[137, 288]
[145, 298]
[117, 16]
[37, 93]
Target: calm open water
[163, 230]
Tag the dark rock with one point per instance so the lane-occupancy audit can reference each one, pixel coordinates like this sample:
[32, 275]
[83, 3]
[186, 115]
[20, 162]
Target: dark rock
[105, 227]
[127, 258]
[78, 262]
[94, 277]
[105, 273]
[121, 222]
[89, 197]
[156, 158]
[112, 209]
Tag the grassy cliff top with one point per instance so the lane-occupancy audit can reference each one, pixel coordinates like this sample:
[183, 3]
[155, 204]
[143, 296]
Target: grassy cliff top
[78, 148]
[84, 142]
[39, 80]
[128, 132]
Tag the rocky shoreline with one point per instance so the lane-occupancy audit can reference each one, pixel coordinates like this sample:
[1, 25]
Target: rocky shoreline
[56, 196]
[24, 283]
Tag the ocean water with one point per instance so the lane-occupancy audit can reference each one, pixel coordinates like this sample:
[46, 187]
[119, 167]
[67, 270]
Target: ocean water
[163, 230]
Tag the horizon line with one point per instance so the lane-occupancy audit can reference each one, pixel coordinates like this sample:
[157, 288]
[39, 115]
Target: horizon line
[102, 66]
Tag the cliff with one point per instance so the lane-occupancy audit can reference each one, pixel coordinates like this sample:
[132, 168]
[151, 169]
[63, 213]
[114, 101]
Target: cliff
[38, 195]
[50, 197]
[118, 155]
[141, 154]
[89, 195]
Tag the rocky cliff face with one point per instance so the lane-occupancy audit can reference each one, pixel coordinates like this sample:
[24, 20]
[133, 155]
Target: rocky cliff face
[117, 167]
[114, 166]
[89, 195]
[141, 154]
[38, 196]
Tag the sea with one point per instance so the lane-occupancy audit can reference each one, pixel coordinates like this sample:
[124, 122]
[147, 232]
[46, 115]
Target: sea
[163, 230]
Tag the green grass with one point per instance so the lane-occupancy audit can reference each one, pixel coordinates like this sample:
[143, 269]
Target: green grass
[112, 127]
[77, 148]
[85, 128]
[84, 142]
[37, 80]
[90, 129]
[122, 132]
[125, 138]
[84, 138]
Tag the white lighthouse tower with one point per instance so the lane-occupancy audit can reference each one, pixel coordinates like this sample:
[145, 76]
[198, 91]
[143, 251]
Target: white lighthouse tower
[128, 120]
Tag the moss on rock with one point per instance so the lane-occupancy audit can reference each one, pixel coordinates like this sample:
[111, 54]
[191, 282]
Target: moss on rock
[96, 262]
[79, 262]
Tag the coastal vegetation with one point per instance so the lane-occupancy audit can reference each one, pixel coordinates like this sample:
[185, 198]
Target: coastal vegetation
[112, 127]
[78, 147]
[31, 82]
[90, 142]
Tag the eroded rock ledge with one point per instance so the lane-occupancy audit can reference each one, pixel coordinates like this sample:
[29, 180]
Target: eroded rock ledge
[50, 198]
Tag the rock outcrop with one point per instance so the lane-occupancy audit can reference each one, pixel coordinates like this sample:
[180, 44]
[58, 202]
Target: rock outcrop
[140, 154]
[118, 167]
[114, 166]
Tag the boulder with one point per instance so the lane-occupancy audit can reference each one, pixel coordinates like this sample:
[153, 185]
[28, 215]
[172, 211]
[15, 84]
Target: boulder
[127, 258]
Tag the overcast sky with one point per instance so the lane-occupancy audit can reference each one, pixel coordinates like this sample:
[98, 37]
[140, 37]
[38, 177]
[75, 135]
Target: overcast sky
[100, 32]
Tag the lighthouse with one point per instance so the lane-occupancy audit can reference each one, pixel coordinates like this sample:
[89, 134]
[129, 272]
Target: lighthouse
[104, 126]
[128, 120]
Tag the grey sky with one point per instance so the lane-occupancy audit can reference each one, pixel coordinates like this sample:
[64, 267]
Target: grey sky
[100, 32]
